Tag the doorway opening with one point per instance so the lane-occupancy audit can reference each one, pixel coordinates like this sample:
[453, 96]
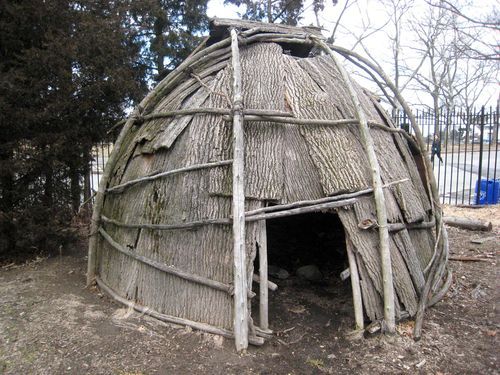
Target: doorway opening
[306, 255]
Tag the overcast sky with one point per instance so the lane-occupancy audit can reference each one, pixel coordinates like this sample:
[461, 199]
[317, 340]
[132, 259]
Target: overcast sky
[373, 13]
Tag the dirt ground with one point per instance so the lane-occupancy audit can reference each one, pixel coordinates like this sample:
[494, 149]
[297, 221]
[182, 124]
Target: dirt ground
[51, 324]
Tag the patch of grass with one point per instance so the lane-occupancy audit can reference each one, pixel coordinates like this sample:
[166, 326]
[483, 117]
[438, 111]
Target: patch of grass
[123, 372]
[316, 363]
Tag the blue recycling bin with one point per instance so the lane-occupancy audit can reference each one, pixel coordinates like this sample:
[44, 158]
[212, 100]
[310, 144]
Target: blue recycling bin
[487, 191]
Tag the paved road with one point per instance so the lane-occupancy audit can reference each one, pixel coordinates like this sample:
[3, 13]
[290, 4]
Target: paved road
[458, 173]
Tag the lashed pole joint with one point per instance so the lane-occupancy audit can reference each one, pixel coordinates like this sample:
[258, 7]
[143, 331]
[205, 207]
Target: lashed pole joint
[385, 255]
[240, 274]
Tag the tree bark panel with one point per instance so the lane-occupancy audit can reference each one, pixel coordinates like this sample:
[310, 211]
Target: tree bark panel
[301, 179]
[372, 300]
[393, 168]
[263, 88]
[409, 160]
[405, 246]
[336, 151]
[365, 208]
[423, 241]
[171, 131]
[205, 251]
[403, 283]
[366, 243]
[189, 94]
[391, 163]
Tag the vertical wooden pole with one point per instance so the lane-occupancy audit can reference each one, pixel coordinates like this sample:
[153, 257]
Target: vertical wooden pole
[239, 253]
[356, 289]
[263, 287]
[366, 138]
[442, 243]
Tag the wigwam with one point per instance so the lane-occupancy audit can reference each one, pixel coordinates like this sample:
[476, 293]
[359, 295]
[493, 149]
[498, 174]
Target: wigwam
[253, 126]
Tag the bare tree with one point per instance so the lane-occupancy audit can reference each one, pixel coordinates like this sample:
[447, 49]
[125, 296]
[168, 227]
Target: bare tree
[473, 27]
[432, 49]
[450, 75]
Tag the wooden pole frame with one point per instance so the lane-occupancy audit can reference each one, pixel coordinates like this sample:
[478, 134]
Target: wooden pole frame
[239, 252]
[119, 188]
[239, 115]
[355, 284]
[263, 277]
[258, 341]
[170, 269]
[385, 253]
[226, 221]
[441, 244]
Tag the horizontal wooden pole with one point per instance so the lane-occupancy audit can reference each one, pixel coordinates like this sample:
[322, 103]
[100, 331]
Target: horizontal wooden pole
[215, 111]
[166, 268]
[323, 122]
[202, 111]
[253, 27]
[288, 40]
[320, 200]
[261, 213]
[277, 38]
[294, 120]
[188, 225]
[386, 128]
[394, 227]
[263, 216]
[302, 210]
[258, 341]
[119, 188]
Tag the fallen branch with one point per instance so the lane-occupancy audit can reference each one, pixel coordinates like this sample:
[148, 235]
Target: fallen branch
[466, 223]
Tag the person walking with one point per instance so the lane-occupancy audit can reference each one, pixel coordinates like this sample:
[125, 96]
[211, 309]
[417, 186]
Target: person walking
[436, 149]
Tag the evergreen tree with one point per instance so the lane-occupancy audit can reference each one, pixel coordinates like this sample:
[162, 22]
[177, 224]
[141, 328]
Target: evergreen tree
[68, 70]
[171, 29]
[288, 12]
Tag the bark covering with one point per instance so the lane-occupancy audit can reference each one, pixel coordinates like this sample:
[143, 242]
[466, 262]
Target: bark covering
[284, 163]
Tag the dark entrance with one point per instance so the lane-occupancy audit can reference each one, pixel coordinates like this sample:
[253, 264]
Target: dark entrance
[309, 239]
[320, 305]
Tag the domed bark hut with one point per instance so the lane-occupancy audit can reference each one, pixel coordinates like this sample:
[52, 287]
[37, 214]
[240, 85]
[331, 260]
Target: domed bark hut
[249, 128]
